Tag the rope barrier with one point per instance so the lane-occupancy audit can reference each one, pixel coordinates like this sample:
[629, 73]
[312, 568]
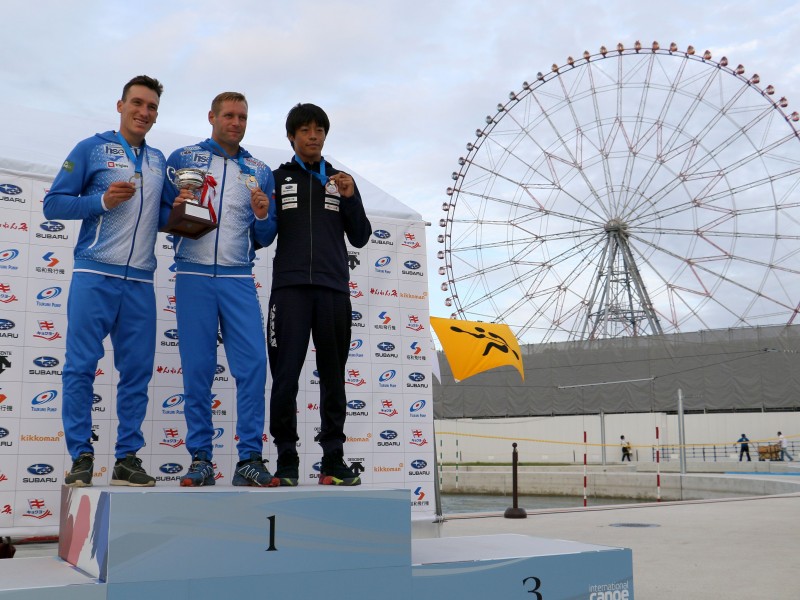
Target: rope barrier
[542, 441]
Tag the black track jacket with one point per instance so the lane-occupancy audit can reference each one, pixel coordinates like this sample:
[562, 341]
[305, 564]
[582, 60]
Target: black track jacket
[311, 228]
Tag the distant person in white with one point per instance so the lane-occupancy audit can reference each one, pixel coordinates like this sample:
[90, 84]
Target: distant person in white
[784, 447]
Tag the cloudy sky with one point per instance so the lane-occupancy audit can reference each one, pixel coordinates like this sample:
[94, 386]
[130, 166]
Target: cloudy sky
[405, 83]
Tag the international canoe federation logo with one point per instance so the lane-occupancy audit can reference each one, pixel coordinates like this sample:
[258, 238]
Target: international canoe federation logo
[171, 334]
[386, 346]
[173, 401]
[387, 376]
[416, 377]
[388, 434]
[49, 293]
[10, 189]
[381, 234]
[170, 468]
[412, 265]
[356, 404]
[417, 406]
[52, 226]
[40, 469]
[44, 397]
[382, 262]
[8, 254]
[46, 362]
[354, 344]
[418, 464]
[6, 324]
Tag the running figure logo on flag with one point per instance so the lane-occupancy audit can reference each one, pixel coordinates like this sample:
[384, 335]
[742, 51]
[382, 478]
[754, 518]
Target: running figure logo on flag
[473, 347]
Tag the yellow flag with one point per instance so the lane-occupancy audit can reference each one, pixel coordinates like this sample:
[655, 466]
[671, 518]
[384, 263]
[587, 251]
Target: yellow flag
[472, 347]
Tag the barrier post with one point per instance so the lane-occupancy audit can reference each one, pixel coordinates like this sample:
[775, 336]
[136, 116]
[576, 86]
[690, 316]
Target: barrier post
[515, 512]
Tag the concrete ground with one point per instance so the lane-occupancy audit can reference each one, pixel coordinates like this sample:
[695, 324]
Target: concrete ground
[694, 550]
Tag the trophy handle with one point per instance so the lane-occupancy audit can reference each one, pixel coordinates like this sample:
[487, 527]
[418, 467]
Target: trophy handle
[171, 173]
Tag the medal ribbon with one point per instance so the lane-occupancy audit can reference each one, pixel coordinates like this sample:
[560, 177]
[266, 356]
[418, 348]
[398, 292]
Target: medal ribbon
[323, 179]
[239, 159]
[136, 160]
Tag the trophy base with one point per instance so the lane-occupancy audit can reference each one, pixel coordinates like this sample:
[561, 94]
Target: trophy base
[189, 220]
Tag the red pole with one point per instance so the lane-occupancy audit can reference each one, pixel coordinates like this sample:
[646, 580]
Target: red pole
[584, 469]
[658, 468]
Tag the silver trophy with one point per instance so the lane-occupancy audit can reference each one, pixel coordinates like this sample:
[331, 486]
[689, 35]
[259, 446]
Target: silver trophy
[189, 219]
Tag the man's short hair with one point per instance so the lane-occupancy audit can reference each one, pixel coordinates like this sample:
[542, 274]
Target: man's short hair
[216, 103]
[303, 114]
[148, 82]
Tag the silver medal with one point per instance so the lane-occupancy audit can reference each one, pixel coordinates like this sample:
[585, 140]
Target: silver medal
[330, 187]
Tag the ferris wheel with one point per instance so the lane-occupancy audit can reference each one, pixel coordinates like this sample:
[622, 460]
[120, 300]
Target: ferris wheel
[636, 191]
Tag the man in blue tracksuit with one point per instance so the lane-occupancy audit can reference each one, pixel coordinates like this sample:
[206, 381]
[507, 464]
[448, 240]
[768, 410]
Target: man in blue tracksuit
[214, 289]
[112, 182]
[317, 206]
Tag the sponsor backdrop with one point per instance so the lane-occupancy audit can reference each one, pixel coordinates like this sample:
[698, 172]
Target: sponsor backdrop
[390, 418]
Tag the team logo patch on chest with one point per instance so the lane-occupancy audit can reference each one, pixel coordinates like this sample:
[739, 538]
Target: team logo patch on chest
[331, 204]
[288, 188]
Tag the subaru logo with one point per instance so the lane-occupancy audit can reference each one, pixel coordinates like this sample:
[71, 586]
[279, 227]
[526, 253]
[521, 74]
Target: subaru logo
[3, 432]
[354, 344]
[8, 254]
[356, 316]
[315, 373]
[172, 401]
[412, 264]
[171, 334]
[170, 468]
[416, 376]
[48, 293]
[417, 406]
[418, 464]
[317, 466]
[10, 189]
[388, 434]
[356, 404]
[44, 397]
[46, 362]
[5, 324]
[387, 375]
[382, 262]
[217, 433]
[386, 346]
[381, 234]
[40, 469]
[96, 398]
[52, 226]
[219, 370]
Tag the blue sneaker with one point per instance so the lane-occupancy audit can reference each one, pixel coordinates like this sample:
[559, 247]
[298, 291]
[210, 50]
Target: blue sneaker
[253, 472]
[201, 472]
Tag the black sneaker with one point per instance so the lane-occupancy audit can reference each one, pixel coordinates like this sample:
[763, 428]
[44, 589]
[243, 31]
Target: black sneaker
[129, 471]
[334, 471]
[254, 472]
[288, 468]
[81, 473]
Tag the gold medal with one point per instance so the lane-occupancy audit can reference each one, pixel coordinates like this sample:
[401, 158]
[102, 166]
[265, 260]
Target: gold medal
[251, 182]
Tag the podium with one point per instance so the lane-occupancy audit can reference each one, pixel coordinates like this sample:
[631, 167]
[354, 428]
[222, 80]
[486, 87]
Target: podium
[305, 542]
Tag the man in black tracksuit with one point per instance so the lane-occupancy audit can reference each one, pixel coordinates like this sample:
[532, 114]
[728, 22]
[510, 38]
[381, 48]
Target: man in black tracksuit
[316, 207]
